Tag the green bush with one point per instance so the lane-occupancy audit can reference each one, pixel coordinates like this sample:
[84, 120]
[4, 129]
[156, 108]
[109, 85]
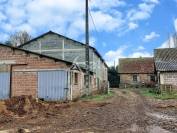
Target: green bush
[155, 93]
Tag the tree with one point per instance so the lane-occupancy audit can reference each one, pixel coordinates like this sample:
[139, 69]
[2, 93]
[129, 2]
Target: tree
[113, 77]
[19, 38]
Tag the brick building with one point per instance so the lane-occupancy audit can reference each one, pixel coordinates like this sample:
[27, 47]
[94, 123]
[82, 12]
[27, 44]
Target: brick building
[166, 66]
[24, 72]
[58, 46]
[136, 71]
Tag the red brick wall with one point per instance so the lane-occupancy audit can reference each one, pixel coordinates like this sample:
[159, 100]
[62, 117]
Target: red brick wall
[24, 77]
[25, 83]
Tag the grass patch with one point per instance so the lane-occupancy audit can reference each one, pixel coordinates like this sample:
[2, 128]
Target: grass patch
[99, 97]
[162, 96]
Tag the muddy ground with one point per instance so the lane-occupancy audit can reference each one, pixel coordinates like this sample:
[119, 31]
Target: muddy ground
[126, 112]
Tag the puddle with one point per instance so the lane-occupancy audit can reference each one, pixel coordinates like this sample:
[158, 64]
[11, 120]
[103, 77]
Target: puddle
[150, 129]
[162, 116]
[135, 129]
[156, 129]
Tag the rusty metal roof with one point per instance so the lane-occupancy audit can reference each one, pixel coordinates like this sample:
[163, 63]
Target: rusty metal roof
[136, 65]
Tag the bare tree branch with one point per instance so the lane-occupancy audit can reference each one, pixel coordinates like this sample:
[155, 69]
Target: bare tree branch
[19, 38]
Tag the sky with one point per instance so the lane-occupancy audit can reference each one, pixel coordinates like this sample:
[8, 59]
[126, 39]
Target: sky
[118, 28]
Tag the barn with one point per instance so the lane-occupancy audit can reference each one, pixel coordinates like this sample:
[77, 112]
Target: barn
[166, 67]
[23, 72]
[136, 71]
[58, 46]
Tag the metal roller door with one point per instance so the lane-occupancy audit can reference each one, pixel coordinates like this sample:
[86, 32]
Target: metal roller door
[4, 85]
[52, 85]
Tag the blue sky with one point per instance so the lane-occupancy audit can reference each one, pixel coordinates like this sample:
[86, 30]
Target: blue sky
[124, 28]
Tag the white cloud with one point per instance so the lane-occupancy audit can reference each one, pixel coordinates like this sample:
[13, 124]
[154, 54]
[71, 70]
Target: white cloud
[169, 43]
[106, 4]
[143, 11]
[132, 26]
[2, 1]
[92, 41]
[140, 48]
[112, 56]
[140, 54]
[151, 36]
[175, 24]
[38, 16]
[2, 17]
[106, 22]
[152, 1]
[146, 7]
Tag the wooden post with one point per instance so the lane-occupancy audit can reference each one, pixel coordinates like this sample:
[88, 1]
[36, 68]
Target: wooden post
[63, 49]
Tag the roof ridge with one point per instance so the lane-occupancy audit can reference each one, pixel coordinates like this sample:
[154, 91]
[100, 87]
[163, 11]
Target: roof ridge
[52, 32]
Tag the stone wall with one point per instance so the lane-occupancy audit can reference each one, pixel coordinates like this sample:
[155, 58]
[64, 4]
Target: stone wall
[169, 78]
[127, 79]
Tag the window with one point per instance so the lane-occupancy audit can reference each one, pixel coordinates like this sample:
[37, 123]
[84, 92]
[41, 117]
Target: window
[76, 78]
[85, 77]
[152, 78]
[135, 78]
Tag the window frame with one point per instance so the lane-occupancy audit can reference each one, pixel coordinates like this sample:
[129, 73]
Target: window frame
[76, 78]
[133, 78]
[152, 79]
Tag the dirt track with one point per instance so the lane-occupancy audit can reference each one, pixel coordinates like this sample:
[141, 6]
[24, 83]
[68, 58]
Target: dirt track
[126, 112]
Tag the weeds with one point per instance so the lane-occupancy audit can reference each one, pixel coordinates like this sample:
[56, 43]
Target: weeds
[162, 95]
[98, 97]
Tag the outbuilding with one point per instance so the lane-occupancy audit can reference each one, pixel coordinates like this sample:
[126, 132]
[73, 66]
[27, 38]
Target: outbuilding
[61, 47]
[136, 71]
[166, 67]
[24, 72]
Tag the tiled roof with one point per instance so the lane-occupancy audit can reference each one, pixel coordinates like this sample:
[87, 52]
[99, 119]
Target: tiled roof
[136, 65]
[165, 59]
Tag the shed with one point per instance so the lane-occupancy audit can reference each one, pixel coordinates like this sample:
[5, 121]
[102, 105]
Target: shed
[23, 72]
[136, 71]
[61, 47]
[166, 66]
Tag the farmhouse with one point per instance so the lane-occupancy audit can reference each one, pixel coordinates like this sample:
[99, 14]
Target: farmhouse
[63, 48]
[24, 72]
[136, 71]
[166, 66]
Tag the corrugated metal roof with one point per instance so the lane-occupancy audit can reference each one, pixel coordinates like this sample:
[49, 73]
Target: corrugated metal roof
[165, 59]
[51, 32]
